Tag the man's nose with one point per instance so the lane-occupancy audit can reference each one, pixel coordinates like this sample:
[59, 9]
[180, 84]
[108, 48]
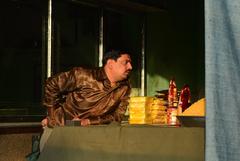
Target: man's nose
[129, 66]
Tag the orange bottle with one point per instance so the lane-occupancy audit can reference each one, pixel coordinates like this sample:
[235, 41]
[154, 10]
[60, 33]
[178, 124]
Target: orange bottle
[172, 104]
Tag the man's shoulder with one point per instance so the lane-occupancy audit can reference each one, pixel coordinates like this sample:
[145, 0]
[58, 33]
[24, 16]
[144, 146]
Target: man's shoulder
[93, 72]
[86, 69]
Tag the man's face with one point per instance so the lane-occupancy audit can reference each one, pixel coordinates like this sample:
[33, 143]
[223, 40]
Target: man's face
[122, 67]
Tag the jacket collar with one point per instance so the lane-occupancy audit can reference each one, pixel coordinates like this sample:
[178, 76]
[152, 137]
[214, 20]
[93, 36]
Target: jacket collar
[101, 74]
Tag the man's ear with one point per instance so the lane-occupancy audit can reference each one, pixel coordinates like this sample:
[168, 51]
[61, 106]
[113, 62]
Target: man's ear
[110, 63]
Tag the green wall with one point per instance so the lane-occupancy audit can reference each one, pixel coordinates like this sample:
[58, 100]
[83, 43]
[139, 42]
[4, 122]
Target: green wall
[175, 47]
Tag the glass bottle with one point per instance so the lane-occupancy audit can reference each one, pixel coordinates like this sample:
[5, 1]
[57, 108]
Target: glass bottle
[172, 103]
[172, 93]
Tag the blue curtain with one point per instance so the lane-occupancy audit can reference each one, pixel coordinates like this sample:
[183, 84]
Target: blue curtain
[222, 64]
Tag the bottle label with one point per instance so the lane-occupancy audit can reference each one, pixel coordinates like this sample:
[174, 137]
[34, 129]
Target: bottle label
[172, 116]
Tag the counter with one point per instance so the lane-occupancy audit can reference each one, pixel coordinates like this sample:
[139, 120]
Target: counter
[125, 143]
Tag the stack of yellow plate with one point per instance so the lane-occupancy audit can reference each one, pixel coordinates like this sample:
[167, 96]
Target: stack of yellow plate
[158, 113]
[139, 106]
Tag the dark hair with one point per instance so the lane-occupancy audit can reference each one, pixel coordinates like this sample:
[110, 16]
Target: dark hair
[113, 54]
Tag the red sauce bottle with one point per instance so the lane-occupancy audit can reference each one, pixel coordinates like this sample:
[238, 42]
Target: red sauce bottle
[185, 96]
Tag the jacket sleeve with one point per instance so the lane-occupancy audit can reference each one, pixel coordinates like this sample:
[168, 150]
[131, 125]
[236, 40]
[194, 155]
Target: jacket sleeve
[121, 110]
[54, 90]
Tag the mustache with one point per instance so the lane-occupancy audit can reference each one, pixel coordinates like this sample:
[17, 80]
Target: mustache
[128, 71]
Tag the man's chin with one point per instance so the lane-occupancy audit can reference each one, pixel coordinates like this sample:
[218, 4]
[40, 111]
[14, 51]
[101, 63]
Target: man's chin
[125, 76]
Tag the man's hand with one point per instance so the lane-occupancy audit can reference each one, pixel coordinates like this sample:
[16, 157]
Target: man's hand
[85, 122]
[44, 122]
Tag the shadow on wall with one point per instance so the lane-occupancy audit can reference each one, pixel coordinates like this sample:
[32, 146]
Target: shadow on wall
[157, 83]
[175, 47]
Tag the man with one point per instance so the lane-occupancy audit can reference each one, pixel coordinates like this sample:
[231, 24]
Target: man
[92, 96]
